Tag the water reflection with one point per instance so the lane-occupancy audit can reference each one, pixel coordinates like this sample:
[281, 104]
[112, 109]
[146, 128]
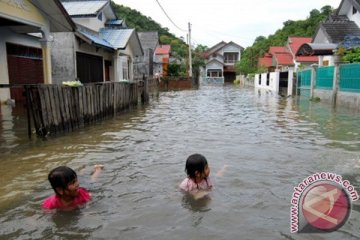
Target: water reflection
[198, 205]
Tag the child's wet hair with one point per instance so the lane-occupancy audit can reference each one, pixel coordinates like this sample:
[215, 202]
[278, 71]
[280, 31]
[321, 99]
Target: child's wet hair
[195, 162]
[60, 177]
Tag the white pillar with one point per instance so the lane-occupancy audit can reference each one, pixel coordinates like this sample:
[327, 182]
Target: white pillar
[116, 59]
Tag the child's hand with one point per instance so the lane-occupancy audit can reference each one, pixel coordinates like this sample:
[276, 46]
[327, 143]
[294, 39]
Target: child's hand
[98, 167]
[221, 172]
[97, 170]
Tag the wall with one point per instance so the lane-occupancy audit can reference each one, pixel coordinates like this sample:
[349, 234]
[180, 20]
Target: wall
[174, 84]
[63, 57]
[271, 81]
[92, 23]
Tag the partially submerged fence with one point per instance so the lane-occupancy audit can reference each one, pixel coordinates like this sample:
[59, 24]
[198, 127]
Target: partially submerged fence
[56, 108]
[349, 79]
[339, 83]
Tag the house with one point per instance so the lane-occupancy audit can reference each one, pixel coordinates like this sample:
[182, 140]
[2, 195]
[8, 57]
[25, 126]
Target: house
[338, 30]
[161, 60]
[149, 42]
[293, 45]
[220, 62]
[278, 57]
[26, 42]
[282, 58]
[101, 49]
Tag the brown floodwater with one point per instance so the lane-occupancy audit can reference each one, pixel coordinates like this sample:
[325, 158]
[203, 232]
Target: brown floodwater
[269, 143]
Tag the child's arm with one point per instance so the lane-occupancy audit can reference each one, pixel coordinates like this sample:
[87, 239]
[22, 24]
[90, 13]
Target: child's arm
[97, 169]
[221, 172]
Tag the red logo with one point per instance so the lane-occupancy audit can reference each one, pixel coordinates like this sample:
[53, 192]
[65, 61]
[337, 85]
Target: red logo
[326, 207]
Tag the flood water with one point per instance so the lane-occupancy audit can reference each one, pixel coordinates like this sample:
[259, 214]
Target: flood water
[269, 143]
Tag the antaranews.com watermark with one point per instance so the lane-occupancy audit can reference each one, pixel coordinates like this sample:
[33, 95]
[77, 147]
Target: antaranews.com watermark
[321, 203]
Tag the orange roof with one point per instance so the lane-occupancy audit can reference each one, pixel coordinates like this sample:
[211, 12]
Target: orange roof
[163, 50]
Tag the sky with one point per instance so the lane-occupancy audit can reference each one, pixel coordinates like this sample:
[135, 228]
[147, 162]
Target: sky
[225, 20]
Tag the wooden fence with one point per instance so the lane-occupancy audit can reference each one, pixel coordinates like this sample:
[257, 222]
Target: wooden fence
[56, 108]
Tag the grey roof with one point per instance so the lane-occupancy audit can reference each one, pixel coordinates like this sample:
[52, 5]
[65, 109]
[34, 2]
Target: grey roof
[336, 31]
[149, 40]
[114, 22]
[84, 8]
[118, 38]
[94, 39]
[354, 3]
[215, 48]
[316, 49]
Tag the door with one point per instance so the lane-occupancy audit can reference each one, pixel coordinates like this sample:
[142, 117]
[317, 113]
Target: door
[89, 68]
[25, 66]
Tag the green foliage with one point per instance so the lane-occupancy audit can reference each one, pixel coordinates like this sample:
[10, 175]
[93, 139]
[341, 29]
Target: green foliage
[176, 70]
[301, 28]
[352, 55]
[198, 58]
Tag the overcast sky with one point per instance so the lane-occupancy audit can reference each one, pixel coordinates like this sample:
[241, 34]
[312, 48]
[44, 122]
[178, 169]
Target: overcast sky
[226, 20]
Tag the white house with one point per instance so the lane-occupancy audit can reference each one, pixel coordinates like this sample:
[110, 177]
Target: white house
[340, 29]
[220, 62]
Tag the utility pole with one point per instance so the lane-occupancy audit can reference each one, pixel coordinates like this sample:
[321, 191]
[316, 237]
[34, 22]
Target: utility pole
[190, 62]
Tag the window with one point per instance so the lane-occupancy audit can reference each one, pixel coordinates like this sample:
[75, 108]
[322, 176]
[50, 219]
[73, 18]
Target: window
[125, 67]
[230, 57]
[214, 73]
[100, 16]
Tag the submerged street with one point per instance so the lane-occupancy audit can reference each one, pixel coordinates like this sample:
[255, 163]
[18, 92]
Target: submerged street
[269, 143]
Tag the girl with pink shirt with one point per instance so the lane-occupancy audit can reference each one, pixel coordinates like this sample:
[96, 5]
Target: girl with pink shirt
[68, 194]
[198, 182]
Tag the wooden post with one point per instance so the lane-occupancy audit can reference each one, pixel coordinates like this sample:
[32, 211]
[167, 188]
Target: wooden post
[27, 93]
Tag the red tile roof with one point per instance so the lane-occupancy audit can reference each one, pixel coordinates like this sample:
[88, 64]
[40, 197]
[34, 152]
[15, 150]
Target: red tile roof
[295, 43]
[163, 50]
[265, 61]
[284, 58]
[277, 49]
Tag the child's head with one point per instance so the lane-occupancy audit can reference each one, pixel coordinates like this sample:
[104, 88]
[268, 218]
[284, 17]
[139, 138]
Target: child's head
[61, 178]
[197, 166]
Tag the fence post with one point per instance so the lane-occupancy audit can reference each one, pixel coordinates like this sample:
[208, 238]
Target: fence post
[336, 79]
[27, 94]
[313, 79]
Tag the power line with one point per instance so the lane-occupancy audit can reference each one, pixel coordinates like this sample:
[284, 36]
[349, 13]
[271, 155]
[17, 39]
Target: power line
[169, 17]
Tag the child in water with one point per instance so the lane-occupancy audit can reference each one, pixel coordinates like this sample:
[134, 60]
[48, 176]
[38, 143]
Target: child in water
[198, 182]
[68, 193]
